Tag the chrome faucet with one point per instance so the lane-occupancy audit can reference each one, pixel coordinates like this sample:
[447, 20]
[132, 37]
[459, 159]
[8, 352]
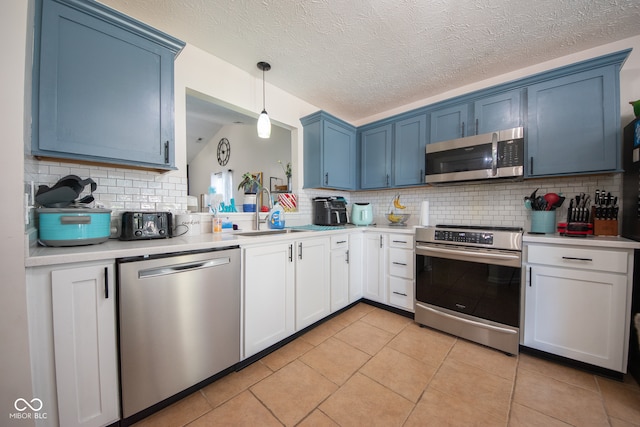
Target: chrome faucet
[258, 221]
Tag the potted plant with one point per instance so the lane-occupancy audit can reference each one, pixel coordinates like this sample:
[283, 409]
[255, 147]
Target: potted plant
[287, 172]
[250, 185]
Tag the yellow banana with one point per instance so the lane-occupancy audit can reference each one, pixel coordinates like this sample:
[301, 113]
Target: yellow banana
[396, 203]
[394, 218]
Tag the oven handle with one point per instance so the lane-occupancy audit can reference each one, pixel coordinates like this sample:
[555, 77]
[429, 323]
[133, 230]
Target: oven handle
[458, 252]
[471, 322]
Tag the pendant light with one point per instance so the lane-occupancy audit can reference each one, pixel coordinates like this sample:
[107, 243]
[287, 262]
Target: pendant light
[264, 124]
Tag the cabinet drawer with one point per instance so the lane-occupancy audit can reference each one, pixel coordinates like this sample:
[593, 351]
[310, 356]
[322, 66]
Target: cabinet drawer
[404, 241]
[401, 292]
[581, 258]
[339, 242]
[401, 263]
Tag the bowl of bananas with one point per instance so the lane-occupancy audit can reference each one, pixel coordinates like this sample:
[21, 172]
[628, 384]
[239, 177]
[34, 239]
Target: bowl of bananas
[396, 215]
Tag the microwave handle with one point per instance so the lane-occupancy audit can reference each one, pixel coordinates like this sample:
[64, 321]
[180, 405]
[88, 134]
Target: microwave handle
[494, 154]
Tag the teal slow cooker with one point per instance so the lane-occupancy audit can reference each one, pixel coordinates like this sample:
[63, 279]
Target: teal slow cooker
[73, 226]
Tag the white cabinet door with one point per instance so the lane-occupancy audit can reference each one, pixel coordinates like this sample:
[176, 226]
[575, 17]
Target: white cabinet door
[312, 281]
[577, 314]
[339, 272]
[268, 296]
[356, 264]
[84, 331]
[374, 280]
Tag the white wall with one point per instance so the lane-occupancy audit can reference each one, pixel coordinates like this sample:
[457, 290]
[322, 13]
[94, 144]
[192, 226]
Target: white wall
[15, 371]
[248, 154]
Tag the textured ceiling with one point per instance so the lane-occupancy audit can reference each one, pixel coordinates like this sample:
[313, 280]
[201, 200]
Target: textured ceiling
[359, 58]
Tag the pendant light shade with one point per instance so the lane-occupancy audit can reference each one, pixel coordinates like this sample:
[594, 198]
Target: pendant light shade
[264, 124]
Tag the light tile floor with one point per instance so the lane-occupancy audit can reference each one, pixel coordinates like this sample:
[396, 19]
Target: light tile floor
[370, 367]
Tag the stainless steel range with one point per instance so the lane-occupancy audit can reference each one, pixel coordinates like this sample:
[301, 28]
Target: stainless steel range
[468, 283]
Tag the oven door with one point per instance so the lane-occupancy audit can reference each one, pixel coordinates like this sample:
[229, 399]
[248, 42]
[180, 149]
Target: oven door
[472, 292]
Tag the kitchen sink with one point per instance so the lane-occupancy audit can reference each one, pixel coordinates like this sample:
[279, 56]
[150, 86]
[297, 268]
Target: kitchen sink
[269, 232]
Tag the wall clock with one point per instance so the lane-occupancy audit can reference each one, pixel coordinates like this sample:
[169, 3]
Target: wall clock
[224, 151]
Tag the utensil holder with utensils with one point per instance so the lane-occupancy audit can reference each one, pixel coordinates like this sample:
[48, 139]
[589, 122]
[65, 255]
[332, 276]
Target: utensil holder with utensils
[543, 222]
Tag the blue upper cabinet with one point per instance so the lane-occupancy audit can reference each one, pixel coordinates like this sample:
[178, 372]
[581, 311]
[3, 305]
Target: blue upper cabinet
[103, 87]
[497, 112]
[410, 141]
[375, 155]
[329, 152]
[449, 123]
[573, 124]
[473, 117]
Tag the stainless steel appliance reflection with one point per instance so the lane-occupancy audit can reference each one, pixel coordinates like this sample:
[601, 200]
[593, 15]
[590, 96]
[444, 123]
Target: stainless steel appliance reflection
[468, 283]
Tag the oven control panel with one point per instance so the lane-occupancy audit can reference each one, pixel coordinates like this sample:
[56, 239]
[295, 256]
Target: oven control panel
[482, 238]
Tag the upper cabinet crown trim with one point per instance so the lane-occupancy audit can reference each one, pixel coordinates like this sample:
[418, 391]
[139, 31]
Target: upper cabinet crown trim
[125, 22]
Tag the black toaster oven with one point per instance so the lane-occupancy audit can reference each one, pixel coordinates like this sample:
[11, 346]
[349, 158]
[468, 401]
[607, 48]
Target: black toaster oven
[146, 225]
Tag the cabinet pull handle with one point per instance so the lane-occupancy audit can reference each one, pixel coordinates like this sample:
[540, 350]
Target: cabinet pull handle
[381, 240]
[166, 152]
[531, 165]
[291, 252]
[463, 129]
[347, 255]
[399, 293]
[300, 250]
[577, 259]
[530, 277]
[326, 178]
[399, 263]
[399, 241]
[421, 174]
[387, 180]
[477, 124]
[106, 283]
[341, 241]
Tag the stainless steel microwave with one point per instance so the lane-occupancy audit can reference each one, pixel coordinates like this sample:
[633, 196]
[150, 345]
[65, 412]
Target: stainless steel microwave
[488, 156]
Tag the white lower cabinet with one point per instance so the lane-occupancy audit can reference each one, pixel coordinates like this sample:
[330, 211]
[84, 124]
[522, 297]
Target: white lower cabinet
[72, 323]
[401, 271]
[286, 288]
[268, 295]
[576, 303]
[374, 283]
[356, 266]
[313, 300]
[84, 331]
[339, 272]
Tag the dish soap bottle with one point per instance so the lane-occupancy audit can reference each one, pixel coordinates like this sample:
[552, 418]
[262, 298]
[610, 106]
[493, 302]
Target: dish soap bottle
[275, 219]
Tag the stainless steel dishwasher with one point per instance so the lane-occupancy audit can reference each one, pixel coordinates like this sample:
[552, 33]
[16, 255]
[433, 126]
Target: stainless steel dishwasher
[179, 323]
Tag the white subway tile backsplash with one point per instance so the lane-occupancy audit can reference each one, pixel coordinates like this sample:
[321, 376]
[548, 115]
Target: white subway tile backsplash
[500, 204]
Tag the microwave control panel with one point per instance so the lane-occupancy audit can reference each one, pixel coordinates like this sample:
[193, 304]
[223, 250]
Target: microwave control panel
[510, 153]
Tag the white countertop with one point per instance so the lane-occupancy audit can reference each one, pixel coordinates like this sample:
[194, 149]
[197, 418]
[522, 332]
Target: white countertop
[593, 241]
[113, 248]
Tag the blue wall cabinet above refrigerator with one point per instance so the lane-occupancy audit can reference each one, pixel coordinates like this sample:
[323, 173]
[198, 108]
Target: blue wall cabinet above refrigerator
[103, 86]
[573, 124]
[375, 155]
[497, 111]
[329, 152]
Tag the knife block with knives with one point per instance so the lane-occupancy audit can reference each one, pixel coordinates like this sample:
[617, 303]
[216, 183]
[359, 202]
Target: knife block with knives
[605, 214]
[601, 219]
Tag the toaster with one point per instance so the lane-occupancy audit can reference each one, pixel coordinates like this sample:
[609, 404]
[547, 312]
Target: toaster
[330, 211]
[146, 225]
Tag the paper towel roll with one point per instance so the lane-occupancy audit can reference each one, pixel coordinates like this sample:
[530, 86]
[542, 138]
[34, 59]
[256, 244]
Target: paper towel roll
[424, 213]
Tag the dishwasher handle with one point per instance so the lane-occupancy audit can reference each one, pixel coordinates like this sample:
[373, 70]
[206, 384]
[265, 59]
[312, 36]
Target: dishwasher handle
[181, 268]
